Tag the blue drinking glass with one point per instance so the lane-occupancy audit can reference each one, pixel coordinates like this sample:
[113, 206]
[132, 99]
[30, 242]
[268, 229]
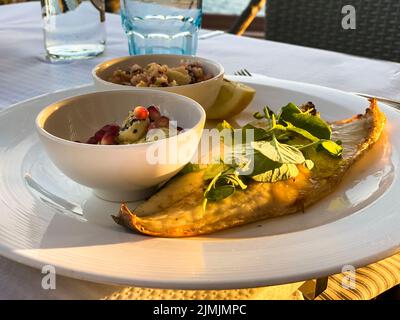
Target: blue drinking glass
[162, 26]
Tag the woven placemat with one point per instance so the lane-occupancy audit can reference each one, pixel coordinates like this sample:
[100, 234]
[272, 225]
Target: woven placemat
[283, 292]
[369, 282]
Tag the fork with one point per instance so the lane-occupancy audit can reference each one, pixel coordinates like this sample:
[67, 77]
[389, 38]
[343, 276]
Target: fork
[243, 72]
[393, 103]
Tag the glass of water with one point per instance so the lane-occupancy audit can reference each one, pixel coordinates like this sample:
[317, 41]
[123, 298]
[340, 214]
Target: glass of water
[161, 26]
[73, 29]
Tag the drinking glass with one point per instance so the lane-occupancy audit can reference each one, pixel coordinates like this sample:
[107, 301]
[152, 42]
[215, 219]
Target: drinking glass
[73, 29]
[161, 26]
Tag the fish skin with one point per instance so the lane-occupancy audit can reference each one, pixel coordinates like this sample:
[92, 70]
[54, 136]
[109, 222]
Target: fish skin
[184, 216]
[175, 190]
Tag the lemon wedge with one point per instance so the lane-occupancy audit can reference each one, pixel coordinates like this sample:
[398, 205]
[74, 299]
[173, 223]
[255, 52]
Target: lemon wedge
[232, 99]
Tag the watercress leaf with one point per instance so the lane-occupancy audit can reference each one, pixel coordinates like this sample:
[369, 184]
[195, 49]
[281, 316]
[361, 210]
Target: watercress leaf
[284, 172]
[279, 152]
[288, 111]
[228, 171]
[258, 115]
[204, 203]
[241, 184]
[210, 186]
[280, 127]
[332, 148]
[309, 164]
[234, 180]
[254, 135]
[261, 163]
[284, 137]
[268, 113]
[254, 162]
[213, 170]
[219, 193]
[223, 185]
[304, 133]
[260, 130]
[224, 125]
[265, 124]
[313, 124]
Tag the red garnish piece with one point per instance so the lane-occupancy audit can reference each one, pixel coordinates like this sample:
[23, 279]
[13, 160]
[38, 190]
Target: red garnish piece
[113, 128]
[154, 113]
[99, 134]
[108, 138]
[109, 130]
[141, 113]
[162, 122]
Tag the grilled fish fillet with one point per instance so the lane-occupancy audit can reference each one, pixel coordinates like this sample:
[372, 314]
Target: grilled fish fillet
[176, 210]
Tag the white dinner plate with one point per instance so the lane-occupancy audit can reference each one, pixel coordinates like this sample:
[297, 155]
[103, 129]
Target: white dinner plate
[45, 218]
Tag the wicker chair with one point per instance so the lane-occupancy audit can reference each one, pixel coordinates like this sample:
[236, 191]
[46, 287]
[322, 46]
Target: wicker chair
[318, 23]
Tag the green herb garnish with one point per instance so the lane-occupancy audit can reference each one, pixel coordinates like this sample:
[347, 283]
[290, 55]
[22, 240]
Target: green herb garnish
[304, 120]
[331, 147]
[224, 125]
[222, 185]
[279, 152]
[281, 143]
[283, 172]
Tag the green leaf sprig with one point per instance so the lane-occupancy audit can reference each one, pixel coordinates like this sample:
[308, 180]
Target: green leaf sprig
[303, 123]
[311, 127]
[224, 182]
[274, 156]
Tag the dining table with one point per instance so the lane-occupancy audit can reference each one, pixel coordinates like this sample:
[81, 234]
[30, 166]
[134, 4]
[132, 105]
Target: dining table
[25, 73]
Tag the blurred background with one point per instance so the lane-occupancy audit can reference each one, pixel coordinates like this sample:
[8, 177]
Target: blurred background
[233, 7]
[219, 14]
[320, 26]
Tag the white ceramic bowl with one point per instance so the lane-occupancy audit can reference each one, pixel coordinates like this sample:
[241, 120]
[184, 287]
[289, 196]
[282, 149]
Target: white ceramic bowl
[118, 172]
[204, 92]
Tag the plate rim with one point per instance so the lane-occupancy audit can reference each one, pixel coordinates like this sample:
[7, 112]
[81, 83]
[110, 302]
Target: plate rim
[222, 284]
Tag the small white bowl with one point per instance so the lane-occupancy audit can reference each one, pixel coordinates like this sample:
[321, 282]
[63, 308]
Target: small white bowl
[118, 172]
[204, 92]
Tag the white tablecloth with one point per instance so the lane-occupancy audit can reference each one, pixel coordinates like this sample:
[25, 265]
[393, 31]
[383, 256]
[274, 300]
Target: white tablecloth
[24, 74]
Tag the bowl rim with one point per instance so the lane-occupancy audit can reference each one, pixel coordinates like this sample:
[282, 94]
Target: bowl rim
[180, 57]
[53, 107]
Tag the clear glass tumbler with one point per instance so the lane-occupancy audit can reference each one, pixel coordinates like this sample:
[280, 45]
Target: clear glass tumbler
[162, 26]
[73, 29]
